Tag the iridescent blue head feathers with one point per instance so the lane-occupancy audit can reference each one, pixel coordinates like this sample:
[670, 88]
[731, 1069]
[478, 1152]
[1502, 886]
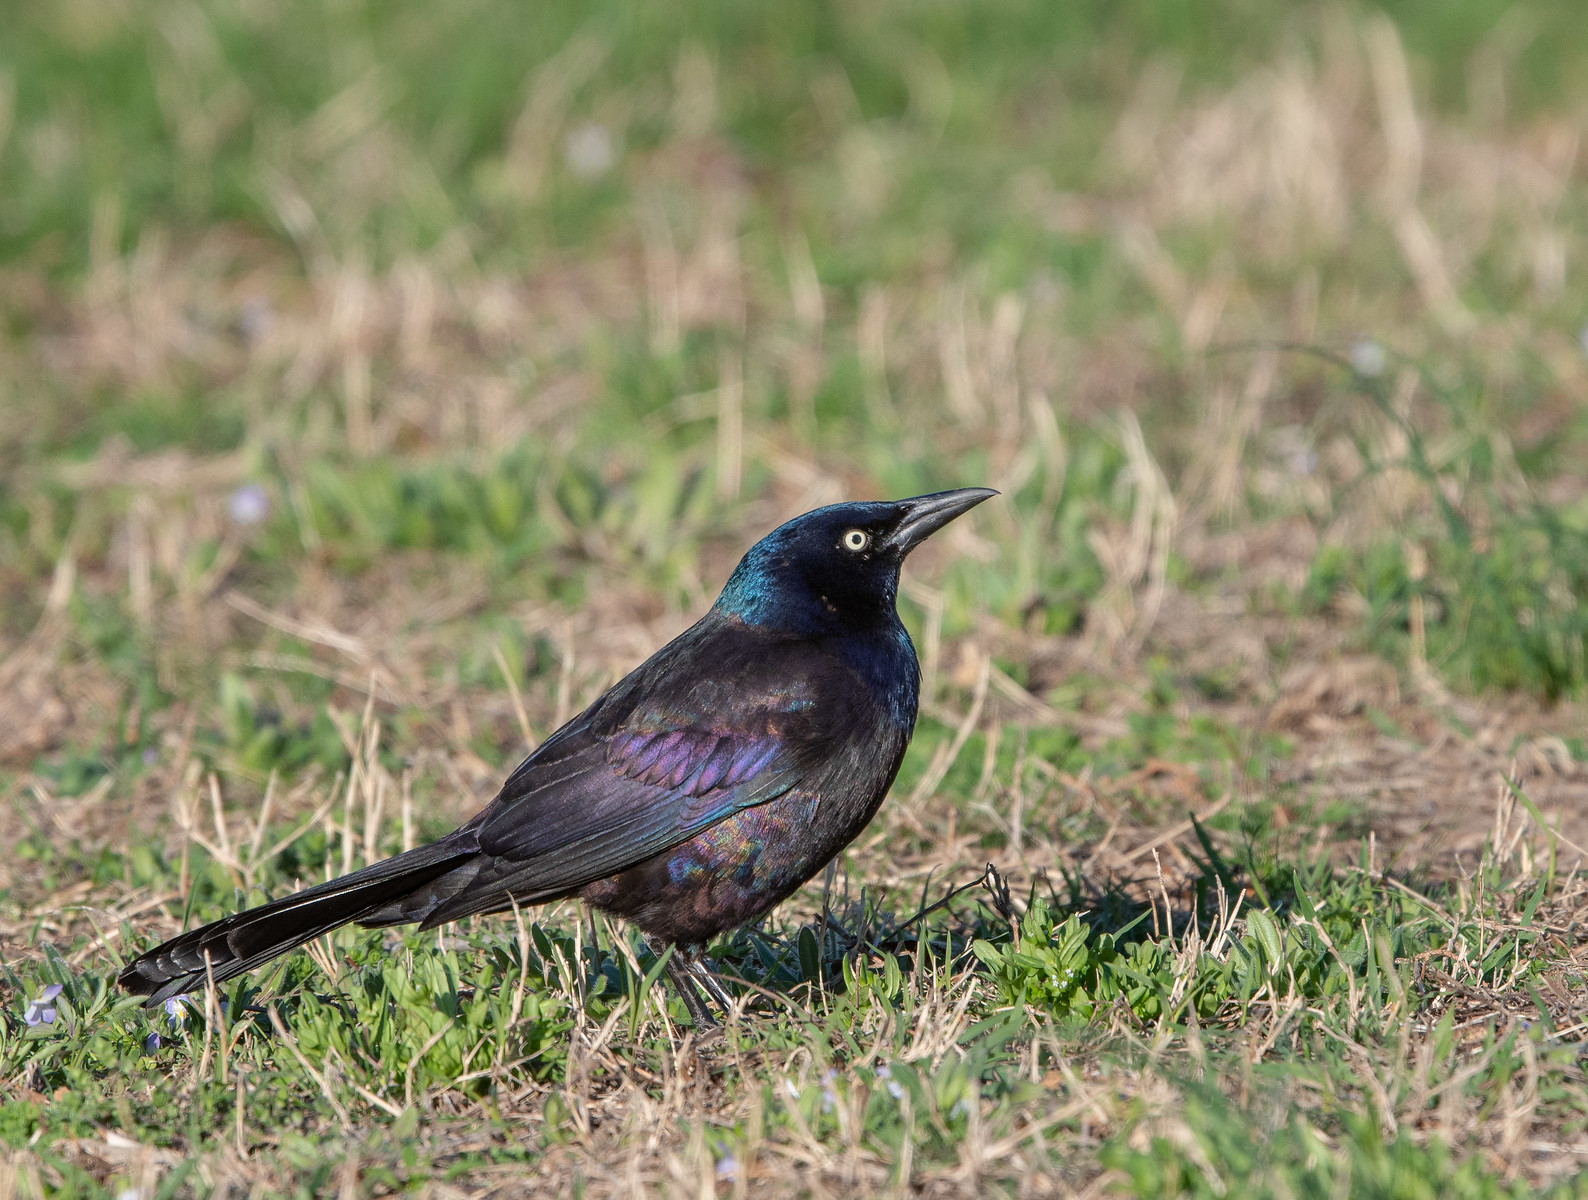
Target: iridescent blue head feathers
[839, 565]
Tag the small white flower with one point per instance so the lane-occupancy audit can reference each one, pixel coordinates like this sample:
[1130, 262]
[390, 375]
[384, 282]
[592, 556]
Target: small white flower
[589, 151]
[1368, 358]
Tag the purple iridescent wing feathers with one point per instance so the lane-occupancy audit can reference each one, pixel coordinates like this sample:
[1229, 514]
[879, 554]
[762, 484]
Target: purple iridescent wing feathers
[631, 778]
[691, 762]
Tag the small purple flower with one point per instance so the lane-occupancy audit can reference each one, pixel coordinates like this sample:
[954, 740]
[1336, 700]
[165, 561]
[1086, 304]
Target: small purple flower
[150, 756]
[255, 319]
[151, 1043]
[727, 1167]
[176, 1011]
[40, 1010]
[249, 504]
[885, 1073]
[1303, 460]
[829, 1097]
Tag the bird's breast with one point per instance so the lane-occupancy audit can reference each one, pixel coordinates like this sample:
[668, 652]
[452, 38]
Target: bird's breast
[884, 664]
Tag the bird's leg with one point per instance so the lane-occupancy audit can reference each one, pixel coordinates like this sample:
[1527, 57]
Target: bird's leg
[696, 965]
[679, 971]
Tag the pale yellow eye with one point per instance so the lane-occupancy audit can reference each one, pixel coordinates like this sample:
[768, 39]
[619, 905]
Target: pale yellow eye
[856, 540]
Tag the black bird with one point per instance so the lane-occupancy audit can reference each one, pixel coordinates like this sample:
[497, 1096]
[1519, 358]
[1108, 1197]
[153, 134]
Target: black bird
[702, 789]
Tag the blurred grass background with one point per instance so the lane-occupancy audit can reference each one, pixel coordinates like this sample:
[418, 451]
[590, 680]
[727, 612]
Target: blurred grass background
[436, 364]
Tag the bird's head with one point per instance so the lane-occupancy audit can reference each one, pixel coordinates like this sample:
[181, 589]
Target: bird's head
[837, 567]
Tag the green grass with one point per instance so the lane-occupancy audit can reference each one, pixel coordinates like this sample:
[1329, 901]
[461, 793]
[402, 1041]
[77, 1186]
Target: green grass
[525, 322]
[1286, 999]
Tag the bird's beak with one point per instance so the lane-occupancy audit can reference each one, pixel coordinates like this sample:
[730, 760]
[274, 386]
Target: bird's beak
[925, 515]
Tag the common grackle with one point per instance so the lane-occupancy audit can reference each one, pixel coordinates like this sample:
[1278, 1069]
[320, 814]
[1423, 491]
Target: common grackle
[702, 789]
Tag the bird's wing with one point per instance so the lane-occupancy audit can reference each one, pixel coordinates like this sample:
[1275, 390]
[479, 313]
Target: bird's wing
[669, 752]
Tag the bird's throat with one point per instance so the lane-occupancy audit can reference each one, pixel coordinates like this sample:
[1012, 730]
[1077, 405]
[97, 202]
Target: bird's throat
[885, 662]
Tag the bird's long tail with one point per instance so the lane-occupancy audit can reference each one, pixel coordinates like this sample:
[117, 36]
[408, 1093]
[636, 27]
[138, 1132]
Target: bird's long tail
[384, 893]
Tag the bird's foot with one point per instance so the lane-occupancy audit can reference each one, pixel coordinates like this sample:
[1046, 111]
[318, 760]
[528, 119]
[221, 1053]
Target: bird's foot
[679, 971]
[686, 968]
[707, 1036]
